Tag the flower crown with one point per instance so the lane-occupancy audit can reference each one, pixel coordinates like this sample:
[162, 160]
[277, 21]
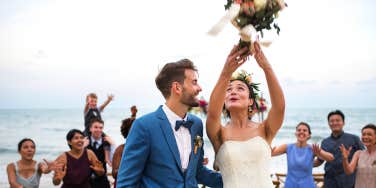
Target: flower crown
[246, 77]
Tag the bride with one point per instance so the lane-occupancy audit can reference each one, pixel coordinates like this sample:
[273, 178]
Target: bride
[242, 146]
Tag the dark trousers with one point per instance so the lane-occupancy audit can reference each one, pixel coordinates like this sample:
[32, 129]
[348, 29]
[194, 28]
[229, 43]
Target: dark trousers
[339, 181]
[100, 182]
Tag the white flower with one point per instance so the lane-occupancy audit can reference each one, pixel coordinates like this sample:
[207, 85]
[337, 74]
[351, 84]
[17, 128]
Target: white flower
[248, 33]
[260, 4]
[235, 75]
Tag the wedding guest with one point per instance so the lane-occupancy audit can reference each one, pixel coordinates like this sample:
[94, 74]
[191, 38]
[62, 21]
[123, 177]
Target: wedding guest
[364, 161]
[335, 176]
[101, 146]
[26, 172]
[134, 112]
[300, 157]
[124, 129]
[92, 111]
[75, 166]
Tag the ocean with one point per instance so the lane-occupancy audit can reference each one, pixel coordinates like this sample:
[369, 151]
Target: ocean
[48, 128]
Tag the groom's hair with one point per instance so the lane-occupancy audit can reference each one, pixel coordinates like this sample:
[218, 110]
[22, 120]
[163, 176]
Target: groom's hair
[172, 72]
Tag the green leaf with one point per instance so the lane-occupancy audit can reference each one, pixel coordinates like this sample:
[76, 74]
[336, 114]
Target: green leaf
[228, 5]
[242, 21]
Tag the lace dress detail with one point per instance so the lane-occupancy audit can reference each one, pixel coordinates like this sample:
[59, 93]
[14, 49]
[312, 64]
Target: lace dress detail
[245, 164]
[366, 170]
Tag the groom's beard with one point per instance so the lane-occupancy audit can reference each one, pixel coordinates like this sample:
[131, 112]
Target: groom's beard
[189, 99]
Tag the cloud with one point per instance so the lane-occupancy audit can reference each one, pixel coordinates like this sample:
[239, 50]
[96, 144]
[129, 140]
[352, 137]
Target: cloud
[322, 54]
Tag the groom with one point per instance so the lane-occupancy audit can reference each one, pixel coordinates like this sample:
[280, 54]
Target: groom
[165, 148]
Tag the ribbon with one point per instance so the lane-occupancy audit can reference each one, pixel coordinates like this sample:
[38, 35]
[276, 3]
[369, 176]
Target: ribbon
[248, 33]
[230, 15]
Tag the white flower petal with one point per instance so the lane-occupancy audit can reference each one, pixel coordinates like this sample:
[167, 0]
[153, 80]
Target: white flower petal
[248, 33]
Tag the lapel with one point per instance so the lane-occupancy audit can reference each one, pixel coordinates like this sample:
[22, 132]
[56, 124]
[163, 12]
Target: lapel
[192, 156]
[169, 136]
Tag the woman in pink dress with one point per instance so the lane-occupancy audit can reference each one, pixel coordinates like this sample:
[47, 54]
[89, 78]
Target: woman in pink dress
[364, 161]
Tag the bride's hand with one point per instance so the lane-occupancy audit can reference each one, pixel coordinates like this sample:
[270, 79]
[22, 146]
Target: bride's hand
[235, 59]
[259, 55]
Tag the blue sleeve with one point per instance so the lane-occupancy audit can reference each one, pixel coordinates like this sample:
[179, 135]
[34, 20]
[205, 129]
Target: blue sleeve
[206, 176]
[135, 154]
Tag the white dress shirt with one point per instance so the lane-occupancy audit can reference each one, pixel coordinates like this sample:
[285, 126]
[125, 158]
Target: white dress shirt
[182, 136]
[99, 141]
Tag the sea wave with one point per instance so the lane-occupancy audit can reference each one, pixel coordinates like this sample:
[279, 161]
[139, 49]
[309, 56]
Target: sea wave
[7, 150]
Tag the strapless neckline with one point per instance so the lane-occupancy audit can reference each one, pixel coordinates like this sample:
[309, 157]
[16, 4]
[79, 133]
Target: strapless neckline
[243, 141]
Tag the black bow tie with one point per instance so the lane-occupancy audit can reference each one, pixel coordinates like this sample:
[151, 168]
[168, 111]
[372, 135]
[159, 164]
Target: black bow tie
[186, 124]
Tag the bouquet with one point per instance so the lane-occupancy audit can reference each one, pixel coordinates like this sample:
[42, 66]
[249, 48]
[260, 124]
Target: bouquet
[250, 17]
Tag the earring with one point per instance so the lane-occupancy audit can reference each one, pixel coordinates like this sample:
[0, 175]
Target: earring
[250, 109]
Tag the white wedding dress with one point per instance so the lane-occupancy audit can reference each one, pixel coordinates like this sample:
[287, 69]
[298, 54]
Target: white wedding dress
[245, 164]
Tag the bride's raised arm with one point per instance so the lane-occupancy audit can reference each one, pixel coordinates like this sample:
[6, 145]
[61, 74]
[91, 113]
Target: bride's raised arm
[217, 97]
[277, 111]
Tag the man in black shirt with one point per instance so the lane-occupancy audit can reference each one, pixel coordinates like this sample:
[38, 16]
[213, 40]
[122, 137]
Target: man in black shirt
[335, 176]
[101, 146]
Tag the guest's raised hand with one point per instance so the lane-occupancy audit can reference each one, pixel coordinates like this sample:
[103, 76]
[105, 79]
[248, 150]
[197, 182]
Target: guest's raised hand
[316, 149]
[109, 140]
[235, 59]
[345, 152]
[86, 141]
[110, 97]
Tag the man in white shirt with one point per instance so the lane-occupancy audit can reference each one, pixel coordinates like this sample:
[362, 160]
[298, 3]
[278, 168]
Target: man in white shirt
[165, 148]
[101, 147]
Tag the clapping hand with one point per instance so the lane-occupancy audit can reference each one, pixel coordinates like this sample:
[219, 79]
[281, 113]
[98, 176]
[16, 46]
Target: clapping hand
[345, 152]
[96, 166]
[60, 171]
[316, 149]
[48, 166]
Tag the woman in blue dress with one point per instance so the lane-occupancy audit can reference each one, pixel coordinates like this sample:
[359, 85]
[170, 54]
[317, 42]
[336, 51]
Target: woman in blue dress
[300, 157]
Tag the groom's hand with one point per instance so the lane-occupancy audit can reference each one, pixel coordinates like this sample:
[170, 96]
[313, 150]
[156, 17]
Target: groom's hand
[205, 161]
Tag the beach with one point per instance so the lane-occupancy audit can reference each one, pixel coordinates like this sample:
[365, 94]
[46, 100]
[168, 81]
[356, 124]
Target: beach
[48, 128]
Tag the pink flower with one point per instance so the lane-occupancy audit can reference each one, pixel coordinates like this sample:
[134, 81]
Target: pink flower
[248, 8]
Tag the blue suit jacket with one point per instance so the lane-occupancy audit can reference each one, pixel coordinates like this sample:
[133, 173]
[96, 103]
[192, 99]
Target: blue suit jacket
[151, 156]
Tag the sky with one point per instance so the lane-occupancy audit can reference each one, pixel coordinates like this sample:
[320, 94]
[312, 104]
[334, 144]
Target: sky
[52, 53]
